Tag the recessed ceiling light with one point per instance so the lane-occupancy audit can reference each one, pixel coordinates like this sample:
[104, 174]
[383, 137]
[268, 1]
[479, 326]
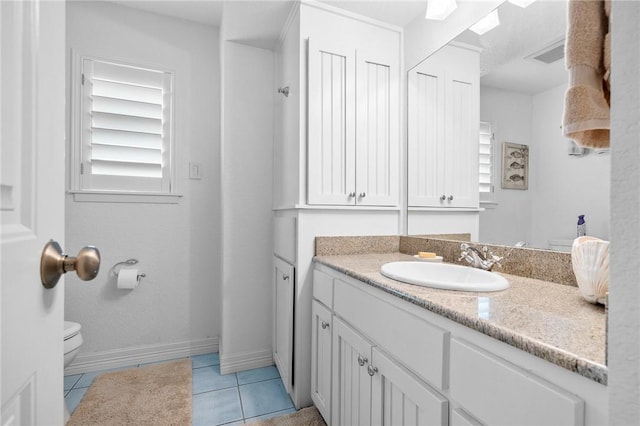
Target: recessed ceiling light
[487, 23]
[440, 9]
[521, 3]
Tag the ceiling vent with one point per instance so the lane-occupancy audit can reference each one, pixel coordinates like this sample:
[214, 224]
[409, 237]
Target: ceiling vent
[550, 54]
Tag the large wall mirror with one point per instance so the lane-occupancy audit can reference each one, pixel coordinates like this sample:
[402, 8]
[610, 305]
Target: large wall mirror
[521, 97]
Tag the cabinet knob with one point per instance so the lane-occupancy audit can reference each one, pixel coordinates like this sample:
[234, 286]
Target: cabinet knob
[285, 277]
[372, 370]
[443, 197]
[325, 325]
[352, 194]
[450, 198]
[362, 360]
[363, 194]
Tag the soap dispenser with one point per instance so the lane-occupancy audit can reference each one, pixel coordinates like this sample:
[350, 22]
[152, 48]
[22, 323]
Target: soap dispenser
[582, 226]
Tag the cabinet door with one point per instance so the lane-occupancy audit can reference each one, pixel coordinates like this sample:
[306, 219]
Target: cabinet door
[284, 278]
[321, 359]
[462, 129]
[331, 123]
[443, 130]
[377, 127]
[398, 398]
[351, 383]
[426, 121]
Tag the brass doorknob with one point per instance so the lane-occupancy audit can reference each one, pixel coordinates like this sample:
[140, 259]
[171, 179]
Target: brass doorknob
[54, 263]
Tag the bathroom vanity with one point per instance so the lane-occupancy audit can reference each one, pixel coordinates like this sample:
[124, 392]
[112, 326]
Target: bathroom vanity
[385, 352]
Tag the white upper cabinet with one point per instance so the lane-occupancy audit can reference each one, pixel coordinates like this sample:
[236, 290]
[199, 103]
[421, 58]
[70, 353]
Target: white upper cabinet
[443, 120]
[332, 133]
[377, 127]
[353, 123]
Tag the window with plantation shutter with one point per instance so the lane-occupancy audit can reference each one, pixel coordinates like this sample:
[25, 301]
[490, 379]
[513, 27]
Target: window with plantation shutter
[125, 128]
[485, 178]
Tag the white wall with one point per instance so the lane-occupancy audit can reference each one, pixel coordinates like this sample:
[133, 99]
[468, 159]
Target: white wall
[624, 294]
[564, 186]
[247, 149]
[286, 150]
[178, 304]
[510, 114]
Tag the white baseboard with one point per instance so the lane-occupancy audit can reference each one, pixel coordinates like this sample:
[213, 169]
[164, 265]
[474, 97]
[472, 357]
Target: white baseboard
[245, 361]
[140, 354]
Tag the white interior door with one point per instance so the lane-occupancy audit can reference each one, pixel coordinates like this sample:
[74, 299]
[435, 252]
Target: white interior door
[32, 208]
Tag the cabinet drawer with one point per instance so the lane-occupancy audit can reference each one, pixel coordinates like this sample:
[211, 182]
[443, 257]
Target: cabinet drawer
[499, 393]
[323, 288]
[418, 345]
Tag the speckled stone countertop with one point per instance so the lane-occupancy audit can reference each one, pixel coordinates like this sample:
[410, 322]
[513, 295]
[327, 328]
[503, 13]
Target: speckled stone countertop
[545, 319]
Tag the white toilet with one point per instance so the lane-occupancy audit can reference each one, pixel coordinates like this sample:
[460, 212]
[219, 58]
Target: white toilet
[72, 343]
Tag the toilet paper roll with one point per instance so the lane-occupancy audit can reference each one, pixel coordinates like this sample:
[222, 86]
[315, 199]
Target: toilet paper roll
[128, 279]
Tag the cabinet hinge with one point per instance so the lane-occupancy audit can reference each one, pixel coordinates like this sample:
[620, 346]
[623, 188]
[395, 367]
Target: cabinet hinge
[83, 79]
[81, 168]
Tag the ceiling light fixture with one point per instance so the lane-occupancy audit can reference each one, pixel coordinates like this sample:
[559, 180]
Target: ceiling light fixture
[487, 23]
[440, 9]
[521, 3]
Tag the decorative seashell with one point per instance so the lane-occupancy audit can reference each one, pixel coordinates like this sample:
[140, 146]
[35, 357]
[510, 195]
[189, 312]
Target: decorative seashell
[590, 260]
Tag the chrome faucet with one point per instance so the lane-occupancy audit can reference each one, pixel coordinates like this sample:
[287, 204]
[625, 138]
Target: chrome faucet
[484, 258]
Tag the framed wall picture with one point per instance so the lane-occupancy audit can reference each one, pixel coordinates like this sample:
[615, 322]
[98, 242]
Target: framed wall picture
[515, 166]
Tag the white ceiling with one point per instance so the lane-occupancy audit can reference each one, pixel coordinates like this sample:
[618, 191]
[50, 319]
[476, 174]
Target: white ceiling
[521, 33]
[260, 22]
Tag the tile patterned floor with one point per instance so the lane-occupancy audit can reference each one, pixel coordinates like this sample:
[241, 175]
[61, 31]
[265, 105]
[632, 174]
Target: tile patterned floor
[230, 399]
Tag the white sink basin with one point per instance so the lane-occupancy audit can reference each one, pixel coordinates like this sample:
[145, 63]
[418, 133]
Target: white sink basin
[444, 276]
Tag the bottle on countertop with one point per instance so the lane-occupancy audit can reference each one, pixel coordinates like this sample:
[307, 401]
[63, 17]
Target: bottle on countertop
[582, 226]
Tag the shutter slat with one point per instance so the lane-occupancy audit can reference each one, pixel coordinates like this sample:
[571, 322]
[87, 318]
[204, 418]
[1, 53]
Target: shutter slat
[126, 138]
[121, 168]
[125, 107]
[129, 92]
[104, 120]
[128, 74]
[127, 154]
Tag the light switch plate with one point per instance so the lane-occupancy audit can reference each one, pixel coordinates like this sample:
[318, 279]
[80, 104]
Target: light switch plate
[195, 170]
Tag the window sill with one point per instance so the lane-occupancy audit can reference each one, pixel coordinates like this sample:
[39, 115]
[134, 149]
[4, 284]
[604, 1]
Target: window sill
[124, 197]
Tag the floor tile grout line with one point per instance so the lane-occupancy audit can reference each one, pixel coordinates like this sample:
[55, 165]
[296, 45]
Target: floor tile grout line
[241, 404]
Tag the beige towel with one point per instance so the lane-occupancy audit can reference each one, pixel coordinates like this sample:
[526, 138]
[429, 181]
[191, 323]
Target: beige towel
[586, 108]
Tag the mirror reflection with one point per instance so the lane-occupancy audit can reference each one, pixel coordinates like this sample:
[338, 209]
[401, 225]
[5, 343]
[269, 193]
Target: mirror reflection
[522, 81]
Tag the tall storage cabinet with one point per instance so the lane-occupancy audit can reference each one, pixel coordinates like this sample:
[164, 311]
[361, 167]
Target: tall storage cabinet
[443, 132]
[336, 156]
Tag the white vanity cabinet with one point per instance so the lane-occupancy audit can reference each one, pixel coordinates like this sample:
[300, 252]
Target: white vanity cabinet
[443, 129]
[368, 385]
[369, 388]
[354, 119]
[396, 363]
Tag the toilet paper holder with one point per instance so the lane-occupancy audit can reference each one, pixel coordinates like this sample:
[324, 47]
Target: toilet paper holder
[115, 272]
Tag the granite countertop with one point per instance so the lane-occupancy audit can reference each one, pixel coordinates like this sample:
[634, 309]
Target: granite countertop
[548, 320]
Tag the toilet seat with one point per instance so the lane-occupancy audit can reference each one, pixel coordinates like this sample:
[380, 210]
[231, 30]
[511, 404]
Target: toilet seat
[71, 329]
